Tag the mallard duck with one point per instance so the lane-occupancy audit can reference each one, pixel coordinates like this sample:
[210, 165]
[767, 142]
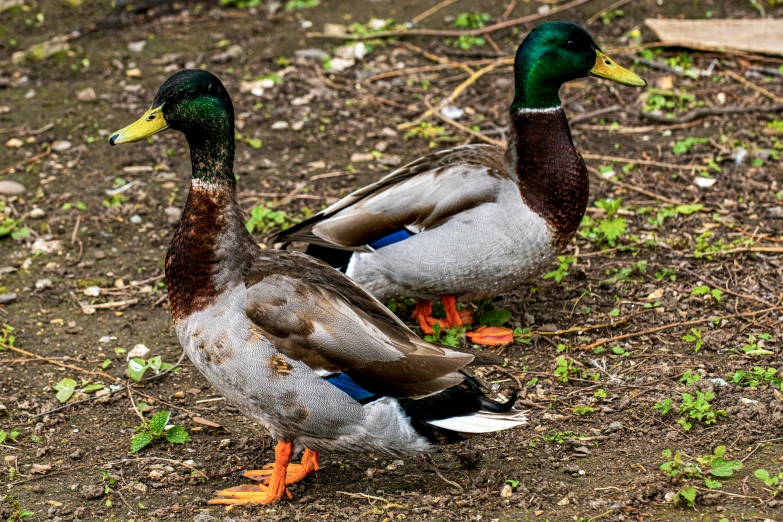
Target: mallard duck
[474, 221]
[293, 343]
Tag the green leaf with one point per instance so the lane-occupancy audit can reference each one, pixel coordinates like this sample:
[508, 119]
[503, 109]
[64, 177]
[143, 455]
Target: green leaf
[495, 317]
[20, 233]
[612, 228]
[689, 494]
[105, 364]
[177, 435]
[136, 368]
[140, 440]
[600, 393]
[158, 422]
[615, 312]
[155, 362]
[762, 474]
[65, 389]
[723, 468]
[720, 451]
[713, 484]
[716, 294]
[255, 143]
[700, 290]
[92, 388]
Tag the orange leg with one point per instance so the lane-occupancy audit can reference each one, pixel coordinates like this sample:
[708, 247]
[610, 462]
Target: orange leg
[423, 314]
[491, 336]
[455, 317]
[294, 473]
[259, 493]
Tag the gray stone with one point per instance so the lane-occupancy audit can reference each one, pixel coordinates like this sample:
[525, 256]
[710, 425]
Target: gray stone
[11, 188]
[91, 491]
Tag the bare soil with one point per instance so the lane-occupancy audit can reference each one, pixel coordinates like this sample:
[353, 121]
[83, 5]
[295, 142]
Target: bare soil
[594, 445]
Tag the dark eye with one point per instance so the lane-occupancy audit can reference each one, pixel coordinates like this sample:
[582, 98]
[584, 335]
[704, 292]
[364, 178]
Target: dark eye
[570, 44]
[192, 93]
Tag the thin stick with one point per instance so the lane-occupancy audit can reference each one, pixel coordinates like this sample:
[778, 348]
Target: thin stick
[612, 7]
[62, 365]
[435, 57]
[453, 32]
[172, 461]
[459, 90]
[675, 325]
[711, 282]
[27, 161]
[444, 479]
[739, 251]
[634, 188]
[360, 94]
[463, 128]
[432, 10]
[506, 60]
[588, 155]
[703, 112]
[116, 304]
[594, 114]
[508, 10]
[753, 86]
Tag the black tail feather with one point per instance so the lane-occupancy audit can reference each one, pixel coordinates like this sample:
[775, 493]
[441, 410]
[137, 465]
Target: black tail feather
[334, 257]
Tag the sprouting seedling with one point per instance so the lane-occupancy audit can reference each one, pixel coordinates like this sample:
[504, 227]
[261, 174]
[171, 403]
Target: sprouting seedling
[155, 428]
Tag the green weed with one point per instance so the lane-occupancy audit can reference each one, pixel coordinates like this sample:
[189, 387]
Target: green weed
[448, 336]
[155, 428]
[695, 338]
[756, 377]
[562, 270]
[263, 218]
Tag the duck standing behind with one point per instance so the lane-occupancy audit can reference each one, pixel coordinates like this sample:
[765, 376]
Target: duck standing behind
[475, 221]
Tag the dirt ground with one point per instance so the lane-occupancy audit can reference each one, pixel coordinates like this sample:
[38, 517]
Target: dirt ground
[696, 245]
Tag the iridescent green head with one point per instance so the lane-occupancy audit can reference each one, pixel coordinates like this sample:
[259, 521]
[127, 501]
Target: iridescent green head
[195, 103]
[191, 101]
[554, 53]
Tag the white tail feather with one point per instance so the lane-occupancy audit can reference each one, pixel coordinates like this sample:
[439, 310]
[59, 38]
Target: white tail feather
[482, 422]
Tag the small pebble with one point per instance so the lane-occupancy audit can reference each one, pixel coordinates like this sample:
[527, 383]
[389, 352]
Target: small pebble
[8, 298]
[92, 291]
[452, 112]
[140, 351]
[43, 283]
[91, 491]
[87, 95]
[135, 219]
[61, 145]
[10, 188]
[14, 143]
[37, 213]
[174, 214]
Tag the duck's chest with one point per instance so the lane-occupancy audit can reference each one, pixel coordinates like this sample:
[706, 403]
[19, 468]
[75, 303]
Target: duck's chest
[223, 345]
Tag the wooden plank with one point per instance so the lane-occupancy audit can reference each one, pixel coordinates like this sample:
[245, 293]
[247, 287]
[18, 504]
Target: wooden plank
[764, 36]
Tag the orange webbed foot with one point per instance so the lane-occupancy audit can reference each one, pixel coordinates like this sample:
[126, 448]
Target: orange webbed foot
[491, 336]
[294, 473]
[249, 494]
[273, 491]
[423, 314]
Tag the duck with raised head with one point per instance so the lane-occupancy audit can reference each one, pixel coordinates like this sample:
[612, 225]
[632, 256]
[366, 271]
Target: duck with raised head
[293, 343]
[475, 221]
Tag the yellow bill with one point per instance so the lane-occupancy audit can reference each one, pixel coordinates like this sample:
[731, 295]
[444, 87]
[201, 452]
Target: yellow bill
[151, 123]
[607, 68]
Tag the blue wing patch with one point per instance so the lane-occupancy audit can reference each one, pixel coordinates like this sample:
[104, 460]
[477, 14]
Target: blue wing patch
[345, 384]
[394, 237]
